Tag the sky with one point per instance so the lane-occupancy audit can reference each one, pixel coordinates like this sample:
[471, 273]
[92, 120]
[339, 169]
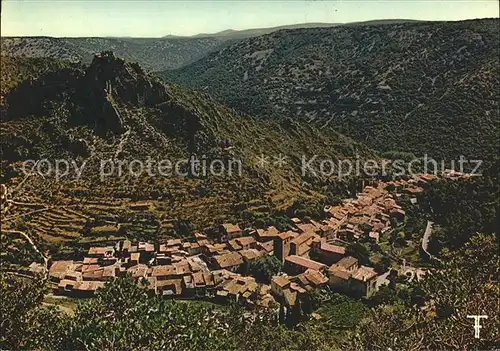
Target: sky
[157, 18]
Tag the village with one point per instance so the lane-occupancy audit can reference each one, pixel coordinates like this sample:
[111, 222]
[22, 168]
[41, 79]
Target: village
[313, 255]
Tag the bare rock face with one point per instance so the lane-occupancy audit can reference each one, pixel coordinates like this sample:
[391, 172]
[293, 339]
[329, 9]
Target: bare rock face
[109, 75]
[110, 82]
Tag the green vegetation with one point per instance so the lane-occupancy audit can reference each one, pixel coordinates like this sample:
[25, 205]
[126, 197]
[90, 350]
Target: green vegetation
[17, 69]
[421, 88]
[264, 268]
[70, 114]
[435, 316]
[404, 89]
[463, 208]
[154, 54]
[429, 314]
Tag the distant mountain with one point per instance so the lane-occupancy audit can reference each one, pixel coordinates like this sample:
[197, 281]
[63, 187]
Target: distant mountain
[248, 33]
[254, 32]
[153, 54]
[424, 87]
[113, 110]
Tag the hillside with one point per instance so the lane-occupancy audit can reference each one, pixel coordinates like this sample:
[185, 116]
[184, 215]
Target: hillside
[425, 87]
[248, 33]
[17, 69]
[112, 110]
[153, 54]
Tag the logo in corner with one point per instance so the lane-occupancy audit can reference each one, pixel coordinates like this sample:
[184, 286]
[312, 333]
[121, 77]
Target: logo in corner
[477, 323]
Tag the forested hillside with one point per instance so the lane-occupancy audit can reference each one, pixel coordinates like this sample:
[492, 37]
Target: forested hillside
[112, 110]
[153, 54]
[426, 87]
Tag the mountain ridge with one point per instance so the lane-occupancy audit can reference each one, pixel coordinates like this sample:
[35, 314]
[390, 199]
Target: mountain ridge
[366, 82]
[154, 54]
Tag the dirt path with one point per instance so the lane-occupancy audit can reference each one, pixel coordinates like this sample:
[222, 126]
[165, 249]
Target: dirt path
[27, 237]
[425, 241]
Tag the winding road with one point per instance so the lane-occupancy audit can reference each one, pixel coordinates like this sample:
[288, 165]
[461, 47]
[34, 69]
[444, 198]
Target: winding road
[425, 241]
[426, 237]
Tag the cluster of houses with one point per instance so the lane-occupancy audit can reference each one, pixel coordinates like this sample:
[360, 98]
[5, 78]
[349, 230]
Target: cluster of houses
[313, 254]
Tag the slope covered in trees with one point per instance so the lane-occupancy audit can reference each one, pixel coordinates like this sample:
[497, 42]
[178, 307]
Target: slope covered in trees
[153, 53]
[113, 111]
[427, 88]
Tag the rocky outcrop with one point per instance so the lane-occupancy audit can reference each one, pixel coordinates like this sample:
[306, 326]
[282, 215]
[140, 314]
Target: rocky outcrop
[110, 81]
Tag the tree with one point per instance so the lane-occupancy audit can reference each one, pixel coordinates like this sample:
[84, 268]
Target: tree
[24, 323]
[123, 317]
[462, 208]
[265, 267]
[436, 318]
[359, 251]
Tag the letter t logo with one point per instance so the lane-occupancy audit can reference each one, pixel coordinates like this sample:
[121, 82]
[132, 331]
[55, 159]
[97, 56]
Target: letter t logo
[477, 324]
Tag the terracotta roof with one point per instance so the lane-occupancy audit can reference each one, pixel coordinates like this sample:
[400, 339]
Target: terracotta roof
[332, 248]
[270, 232]
[59, 268]
[147, 247]
[90, 260]
[73, 274]
[398, 211]
[364, 273]
[281, 281]
[414, 190]
[305, 262]
[296, 287]
[174, 242]
[173, 285]
[339, 272]
[88, 285]
[285, 235]
[267, 246]
[233, 244]
[250, 254]
[209, 279]
[198, 279]
[347, 262]
[303, 238]
[137, 271]
[195, 266]
[231, 228]
[307, 227]
[163, 271]
[228, 260]
[101, 250]
[246, 240]
[315, 277]
[182, 267]
[90, 267]
[94, 275]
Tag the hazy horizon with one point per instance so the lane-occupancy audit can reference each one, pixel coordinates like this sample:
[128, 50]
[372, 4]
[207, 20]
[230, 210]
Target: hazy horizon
[153, 19]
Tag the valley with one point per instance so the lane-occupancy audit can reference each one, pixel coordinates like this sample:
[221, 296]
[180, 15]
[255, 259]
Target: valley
[264, 189]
